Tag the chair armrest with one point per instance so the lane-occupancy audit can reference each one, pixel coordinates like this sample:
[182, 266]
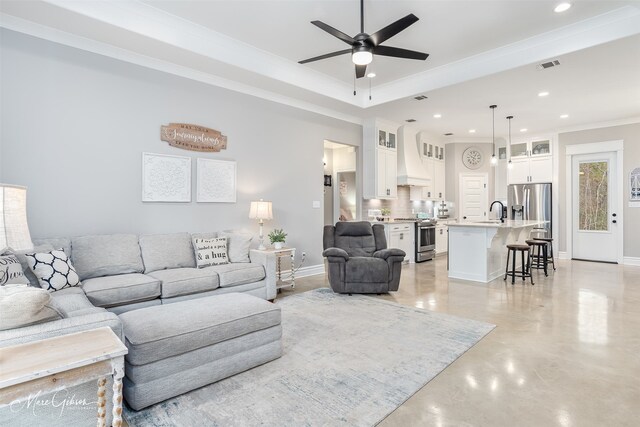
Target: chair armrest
[336, 252]
[386, 253]
[268, 261]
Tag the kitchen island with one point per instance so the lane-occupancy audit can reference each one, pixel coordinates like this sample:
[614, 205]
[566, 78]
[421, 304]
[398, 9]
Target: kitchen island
[478, 250]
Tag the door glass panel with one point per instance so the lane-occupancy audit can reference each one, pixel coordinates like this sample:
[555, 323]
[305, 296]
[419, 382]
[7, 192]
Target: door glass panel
[593, 199]
[382, 138]
[518, 150]
[392, 141]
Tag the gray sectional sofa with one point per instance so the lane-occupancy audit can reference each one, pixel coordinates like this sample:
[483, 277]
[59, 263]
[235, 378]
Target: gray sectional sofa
[126, 274]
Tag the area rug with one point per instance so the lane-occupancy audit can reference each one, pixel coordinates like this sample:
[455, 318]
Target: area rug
[348, 360]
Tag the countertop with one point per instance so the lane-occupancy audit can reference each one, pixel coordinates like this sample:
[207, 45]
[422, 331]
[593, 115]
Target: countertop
[498, 224]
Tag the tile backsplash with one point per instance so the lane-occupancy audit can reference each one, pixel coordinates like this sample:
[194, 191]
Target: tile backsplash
[402, 207]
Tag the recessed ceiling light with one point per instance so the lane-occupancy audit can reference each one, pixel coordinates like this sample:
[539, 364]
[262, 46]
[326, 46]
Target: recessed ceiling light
[562, 7]
[437, 116]
[472, 131]
[371, 75]
[541, 94]
[564, 116]
[523, 130]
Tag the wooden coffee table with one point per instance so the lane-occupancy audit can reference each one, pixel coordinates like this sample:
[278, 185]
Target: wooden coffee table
[65, 361]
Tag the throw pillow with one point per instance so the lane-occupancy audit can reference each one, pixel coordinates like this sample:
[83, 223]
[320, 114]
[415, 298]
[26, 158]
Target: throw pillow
[239, 245]
[21, 255]
[53, 270]
[11, 271]
[23, 305]
[210, 251]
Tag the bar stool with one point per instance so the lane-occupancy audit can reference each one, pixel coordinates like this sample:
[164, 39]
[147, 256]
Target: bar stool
[539, 260]
[525, 272]
[549, 242]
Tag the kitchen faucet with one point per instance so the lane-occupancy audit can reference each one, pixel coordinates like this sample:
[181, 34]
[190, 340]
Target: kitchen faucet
[501, 209]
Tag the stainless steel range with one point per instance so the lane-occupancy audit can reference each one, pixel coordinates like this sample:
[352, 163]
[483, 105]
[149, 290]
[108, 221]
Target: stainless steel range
[425, 238]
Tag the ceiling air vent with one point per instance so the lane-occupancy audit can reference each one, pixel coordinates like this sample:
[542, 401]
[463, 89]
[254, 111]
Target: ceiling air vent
[549, 64]
[448, 134]
[420, 97]
[410, 120]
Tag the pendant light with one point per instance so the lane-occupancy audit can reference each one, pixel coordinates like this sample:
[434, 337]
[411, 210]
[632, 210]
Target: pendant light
[510, 164]
[494, 159]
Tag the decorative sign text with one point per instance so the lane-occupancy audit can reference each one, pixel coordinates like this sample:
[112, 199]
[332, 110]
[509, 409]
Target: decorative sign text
[193, 137]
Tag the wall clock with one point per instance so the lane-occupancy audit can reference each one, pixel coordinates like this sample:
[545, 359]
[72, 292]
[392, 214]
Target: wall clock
[472, 158]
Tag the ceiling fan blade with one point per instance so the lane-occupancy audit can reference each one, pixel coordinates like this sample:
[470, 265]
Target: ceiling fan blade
[336, 33]
[360, 71]
[397, 52]
[328, 55]
[392, 29]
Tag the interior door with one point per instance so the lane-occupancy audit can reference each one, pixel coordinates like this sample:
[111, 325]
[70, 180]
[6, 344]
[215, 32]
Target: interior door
[594, 200]
[473, 197]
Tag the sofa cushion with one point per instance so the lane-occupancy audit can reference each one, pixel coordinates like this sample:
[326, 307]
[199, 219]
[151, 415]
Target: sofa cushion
[355, 237]
[106, 255]
[165, 251]
[238, 245]
[193, 324]
[23, 305]
[53, 243]
[73, 302]
[185, 281]
[238, 273]
[121, 289]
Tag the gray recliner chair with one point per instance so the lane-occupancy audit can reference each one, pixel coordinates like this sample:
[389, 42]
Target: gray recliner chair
[359, 261]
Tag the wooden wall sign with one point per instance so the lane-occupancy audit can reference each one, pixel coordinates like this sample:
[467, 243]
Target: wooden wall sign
[193, 137]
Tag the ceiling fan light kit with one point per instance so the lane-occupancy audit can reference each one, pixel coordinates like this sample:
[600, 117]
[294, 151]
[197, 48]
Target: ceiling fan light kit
[365, 46]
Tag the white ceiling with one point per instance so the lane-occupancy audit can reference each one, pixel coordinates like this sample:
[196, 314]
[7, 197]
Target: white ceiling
[482, 52]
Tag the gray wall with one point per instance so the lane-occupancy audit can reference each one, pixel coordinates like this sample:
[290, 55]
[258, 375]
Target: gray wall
[74, 125]
[630, 134]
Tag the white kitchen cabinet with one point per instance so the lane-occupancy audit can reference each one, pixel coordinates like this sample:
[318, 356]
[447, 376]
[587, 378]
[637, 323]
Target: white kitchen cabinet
[532, 161]
[433, 163]
[442, 238]
[402, 236]
[380, 168]
[439, 180]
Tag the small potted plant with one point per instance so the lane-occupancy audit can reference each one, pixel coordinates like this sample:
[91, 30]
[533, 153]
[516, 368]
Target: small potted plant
[277, 238]
[385, 213]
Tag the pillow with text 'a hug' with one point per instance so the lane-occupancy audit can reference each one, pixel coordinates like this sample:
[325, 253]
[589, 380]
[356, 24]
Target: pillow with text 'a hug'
[210, 251]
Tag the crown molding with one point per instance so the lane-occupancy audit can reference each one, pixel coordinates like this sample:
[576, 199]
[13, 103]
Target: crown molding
[57, 36]
[598, 125]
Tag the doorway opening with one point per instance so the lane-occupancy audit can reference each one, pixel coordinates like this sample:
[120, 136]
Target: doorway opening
[594, 206]
[342, 192]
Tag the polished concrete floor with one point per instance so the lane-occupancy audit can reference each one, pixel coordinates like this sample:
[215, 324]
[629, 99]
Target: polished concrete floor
[566, 352]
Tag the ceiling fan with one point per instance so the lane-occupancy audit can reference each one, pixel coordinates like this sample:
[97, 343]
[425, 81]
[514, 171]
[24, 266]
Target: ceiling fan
[364, 46]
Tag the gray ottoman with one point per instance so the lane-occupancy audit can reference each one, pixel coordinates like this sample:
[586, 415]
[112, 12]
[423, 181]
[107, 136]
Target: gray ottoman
[178, 347]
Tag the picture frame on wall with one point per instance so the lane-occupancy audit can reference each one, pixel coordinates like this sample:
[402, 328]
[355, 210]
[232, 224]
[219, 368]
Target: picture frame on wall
[166, 178]
[216, 181]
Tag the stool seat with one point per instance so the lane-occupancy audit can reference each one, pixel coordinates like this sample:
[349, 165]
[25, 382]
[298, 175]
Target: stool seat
[518, 247]
[544, 239]
[549, 242]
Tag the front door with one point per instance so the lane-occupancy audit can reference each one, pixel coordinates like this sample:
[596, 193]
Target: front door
[595, 224]
[473, 197]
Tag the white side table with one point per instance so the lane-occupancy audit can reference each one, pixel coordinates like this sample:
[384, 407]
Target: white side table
[290, 280]
[57, 363]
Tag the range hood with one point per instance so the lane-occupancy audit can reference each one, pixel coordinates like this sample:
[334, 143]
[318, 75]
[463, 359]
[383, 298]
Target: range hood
[411, 171]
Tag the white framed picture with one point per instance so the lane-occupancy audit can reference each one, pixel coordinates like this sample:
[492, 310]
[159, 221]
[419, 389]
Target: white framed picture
[216, 181]
[166, 178]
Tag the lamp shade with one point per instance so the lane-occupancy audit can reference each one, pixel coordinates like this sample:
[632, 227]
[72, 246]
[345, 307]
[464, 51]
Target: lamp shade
[14, 230]
[261, 210]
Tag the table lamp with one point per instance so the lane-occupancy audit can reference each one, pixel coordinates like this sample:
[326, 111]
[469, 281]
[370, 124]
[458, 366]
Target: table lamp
[14, 230]
[261, 210]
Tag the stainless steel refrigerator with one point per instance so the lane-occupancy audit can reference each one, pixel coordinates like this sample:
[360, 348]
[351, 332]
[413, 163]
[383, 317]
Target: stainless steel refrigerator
[530, 202]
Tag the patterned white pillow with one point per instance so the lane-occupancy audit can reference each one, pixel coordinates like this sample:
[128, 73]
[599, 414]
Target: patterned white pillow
[53, 270]
[210, 251]
[11, 271]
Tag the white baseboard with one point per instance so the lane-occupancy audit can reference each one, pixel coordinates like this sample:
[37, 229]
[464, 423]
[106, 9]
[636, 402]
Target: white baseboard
[563, 255]
[629, 260]
[310, 270]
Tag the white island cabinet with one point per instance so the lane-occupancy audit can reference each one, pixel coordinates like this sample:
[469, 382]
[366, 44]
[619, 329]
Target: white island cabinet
[478, 250]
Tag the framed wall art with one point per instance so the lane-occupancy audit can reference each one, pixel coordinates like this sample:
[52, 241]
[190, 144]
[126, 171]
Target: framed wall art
[216, 181]
[166, 178]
